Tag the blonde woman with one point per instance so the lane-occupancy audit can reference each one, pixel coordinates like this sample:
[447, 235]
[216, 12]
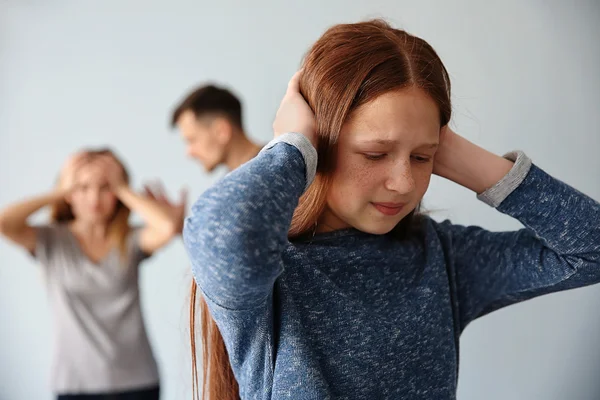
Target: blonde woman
[90, 256]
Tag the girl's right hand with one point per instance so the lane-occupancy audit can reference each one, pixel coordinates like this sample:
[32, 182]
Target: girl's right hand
[294, 114]
[73, 164]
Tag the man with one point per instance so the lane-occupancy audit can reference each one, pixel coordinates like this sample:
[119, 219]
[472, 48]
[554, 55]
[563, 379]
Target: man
[210, 121]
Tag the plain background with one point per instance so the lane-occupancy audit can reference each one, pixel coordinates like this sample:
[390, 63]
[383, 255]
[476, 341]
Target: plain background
[89, 73]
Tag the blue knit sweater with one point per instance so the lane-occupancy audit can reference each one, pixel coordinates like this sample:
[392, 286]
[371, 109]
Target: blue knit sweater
[350, 315]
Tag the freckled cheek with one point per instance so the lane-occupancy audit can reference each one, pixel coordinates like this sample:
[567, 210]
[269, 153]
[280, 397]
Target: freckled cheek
[356, 180]
[422, 178]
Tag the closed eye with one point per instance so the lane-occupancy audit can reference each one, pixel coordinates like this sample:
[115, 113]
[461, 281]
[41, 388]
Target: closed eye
[374, 156]
[421, 159]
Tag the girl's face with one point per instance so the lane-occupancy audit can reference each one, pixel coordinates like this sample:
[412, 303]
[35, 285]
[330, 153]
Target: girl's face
[383, 163]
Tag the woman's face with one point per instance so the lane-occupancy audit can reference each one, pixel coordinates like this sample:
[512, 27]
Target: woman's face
[92, 199]
[384, 162]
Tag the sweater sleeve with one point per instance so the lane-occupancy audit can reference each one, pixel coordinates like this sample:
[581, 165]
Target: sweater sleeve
[558, 249]
[237, 229]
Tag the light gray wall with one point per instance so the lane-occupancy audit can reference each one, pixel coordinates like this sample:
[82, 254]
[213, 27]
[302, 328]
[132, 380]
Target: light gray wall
[79, 73]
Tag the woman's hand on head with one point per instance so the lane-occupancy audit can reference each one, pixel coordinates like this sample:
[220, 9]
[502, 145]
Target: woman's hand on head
[294, 113]
[69, 170]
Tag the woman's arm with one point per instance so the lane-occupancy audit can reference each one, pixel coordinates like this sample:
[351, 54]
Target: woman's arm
[13, 219]
[159, 228]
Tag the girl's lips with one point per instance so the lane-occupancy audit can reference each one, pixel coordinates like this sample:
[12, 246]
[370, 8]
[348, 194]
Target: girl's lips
[388, 208]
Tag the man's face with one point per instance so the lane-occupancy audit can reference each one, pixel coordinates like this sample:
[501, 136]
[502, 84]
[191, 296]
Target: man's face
[206, 138]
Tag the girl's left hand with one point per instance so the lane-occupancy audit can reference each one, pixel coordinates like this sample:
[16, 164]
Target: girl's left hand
[467, 164]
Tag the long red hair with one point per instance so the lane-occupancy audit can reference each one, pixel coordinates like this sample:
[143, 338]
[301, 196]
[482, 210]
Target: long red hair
[350, 65]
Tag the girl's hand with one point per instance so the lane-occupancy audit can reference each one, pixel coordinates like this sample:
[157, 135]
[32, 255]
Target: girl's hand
[467, 164]
[294, 114]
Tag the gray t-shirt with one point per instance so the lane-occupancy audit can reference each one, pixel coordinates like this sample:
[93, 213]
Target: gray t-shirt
[100, 342]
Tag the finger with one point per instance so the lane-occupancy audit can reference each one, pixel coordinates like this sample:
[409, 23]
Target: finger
[294, 84]
[148, 192]
[155, 191]
[73, 168]
[159, 191]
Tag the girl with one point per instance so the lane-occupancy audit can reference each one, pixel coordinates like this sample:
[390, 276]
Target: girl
[323, 278]
[91, 256]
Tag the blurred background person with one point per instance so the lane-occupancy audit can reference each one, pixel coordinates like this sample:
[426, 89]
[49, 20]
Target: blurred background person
[209, 120]
[90, 255]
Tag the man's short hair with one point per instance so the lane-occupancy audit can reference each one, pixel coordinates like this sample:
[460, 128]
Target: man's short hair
[210, 100]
